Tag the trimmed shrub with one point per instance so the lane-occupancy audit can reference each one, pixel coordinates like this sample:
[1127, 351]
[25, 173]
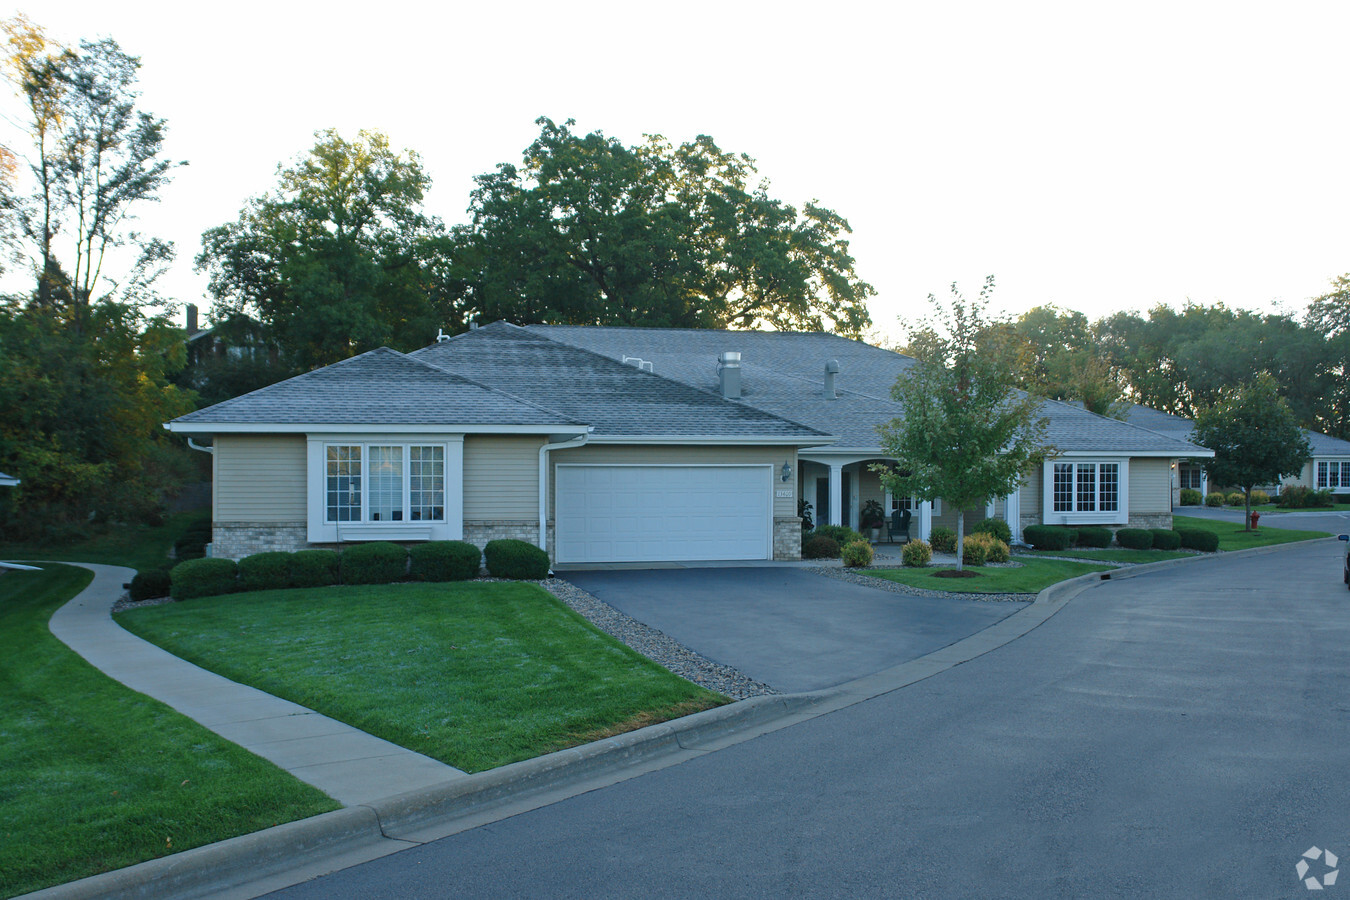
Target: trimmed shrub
[1093, 536]
[314, 568]
[1236, 498]
[916, 554]
[1046, 537]
[997, 527]
[1214, 498]
[1135, 538]
[265, 571]
[1190, 497]
[151, 585]
[999, 552]
[820, 547]
[509, 558]
[1198, 539]
[203, 578]
[444, 561]
[1260, 498]
[943, 539]
[379, 562]
[840, 534]
[975, 549]
[1165, 539]
[857, 554]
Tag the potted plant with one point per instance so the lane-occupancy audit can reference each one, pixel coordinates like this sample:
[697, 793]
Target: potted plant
[872, 517]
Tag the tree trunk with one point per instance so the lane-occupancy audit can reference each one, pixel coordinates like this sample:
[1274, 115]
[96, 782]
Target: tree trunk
[960, 538]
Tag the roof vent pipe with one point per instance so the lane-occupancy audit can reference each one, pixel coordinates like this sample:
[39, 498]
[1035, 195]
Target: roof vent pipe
[729, 374]
[441, 336]
[831, 370]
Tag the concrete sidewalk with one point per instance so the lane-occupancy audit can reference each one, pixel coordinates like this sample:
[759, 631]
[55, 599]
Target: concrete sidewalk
[348, 765]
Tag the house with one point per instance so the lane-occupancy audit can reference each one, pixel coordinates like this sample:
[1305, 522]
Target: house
[617, 444]
[1328, 467]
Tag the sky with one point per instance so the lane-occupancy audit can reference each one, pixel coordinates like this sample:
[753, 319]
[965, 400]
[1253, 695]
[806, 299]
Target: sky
[1099, 157]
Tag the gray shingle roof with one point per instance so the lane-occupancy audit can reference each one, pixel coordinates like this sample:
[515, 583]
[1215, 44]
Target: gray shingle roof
[615, 398]
[379, 387]
[1176, 426]
[783, 373]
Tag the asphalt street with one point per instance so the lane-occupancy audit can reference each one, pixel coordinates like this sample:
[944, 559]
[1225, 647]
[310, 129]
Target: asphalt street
[1183, 733]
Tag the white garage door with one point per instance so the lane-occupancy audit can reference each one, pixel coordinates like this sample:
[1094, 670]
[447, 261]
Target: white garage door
[651, 513]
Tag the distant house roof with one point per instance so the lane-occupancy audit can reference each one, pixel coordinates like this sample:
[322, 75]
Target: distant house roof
[783, 373]
[7, 480]
[1179, 427]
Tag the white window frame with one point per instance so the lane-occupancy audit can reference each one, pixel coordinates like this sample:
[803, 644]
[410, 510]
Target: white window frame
[1119, 516]
[322, 531]
[1322, 471]
[913, 505]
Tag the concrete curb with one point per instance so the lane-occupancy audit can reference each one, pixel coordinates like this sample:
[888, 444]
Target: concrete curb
[251, 864]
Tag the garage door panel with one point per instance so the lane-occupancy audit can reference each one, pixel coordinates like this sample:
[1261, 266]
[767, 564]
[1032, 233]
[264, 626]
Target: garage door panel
[656, 513]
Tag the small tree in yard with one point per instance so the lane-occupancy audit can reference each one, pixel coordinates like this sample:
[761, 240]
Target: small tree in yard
[966, 435]
[1255, 438]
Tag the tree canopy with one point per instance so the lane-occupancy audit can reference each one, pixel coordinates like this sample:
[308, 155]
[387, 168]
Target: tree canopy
[339, 258]
[1255, 437]
[590, 231]
[966, 434]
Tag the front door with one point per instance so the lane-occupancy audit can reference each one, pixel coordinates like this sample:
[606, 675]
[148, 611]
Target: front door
[846, 486]
[822, 510]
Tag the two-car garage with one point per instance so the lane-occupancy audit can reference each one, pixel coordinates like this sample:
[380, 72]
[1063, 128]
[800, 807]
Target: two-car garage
[654, 512]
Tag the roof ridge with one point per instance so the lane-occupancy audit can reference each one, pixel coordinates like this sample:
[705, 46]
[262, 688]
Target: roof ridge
[494, 390]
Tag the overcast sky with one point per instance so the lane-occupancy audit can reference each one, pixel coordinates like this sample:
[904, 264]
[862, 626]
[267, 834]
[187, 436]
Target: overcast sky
[1098, 157]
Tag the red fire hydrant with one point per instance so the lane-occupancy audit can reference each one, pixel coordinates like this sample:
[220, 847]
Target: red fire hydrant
[1255, 517]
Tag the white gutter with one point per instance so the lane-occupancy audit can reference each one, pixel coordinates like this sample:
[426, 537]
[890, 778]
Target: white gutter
[196, 446]
[543, 482]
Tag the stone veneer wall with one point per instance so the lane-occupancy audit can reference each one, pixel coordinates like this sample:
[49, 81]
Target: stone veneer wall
[787, 537]
[479, 533]
[239, 539]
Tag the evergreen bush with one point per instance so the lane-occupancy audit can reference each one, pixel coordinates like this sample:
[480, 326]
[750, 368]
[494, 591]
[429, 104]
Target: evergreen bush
[151, 585]
[857, 554]
[818, 546]
[1165, 539]
[444, 561]
[1093, 536]
[943, 539]
[379, 562]
[1046, 537]
[1135, 538]
[916, 554]
[1190, 497]
[203, 578]
[314, 568]
[509, 558]
[997, 527]
[265, 572]
[1198, 539]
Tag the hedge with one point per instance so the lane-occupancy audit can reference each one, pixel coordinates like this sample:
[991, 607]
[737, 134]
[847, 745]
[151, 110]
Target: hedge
[1093, 536]
[1165, 539]
[508, 558]
[1135, 538]
[997, 527]
[1191, 497]
[379, 562]
[151, 585]
[203, 578]
[314, 568]
[1198, 539]
[818, 546]
[1046, 537]
[1214, 498]
[857, 554]
[943, 539]
[444, 561]
[840, 534]
[265, 571]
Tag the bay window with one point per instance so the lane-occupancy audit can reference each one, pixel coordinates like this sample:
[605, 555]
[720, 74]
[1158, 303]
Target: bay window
[400, 489]
[1083, 491]
[1333, 474]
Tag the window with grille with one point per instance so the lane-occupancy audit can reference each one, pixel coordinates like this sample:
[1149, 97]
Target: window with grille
[385, 482]
[1086, 487]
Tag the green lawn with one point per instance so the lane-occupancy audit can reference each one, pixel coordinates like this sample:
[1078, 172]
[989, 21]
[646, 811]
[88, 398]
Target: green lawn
[1232, 537]
[138, 546]
[1264, 508]
[1114, 554]
[1029, 578]
[94, 776]
[474, 674]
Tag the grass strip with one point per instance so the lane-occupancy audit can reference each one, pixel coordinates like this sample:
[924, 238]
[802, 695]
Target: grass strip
[1118, 555]
[138, 546]
[94, 776]
[1031, 577]
[1232, 537]
[475, 674]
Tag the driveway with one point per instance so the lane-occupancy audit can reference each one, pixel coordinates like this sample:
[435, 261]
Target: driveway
[787, 627]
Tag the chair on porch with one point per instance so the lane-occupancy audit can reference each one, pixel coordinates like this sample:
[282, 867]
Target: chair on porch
[899, 525]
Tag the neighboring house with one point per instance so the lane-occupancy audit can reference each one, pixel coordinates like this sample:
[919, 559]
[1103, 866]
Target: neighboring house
[7, 480]
[618, 444]
[1327, 468]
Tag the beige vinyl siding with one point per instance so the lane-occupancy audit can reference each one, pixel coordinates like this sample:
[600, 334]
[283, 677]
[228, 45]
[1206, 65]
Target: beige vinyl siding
[1031, 494]
[259, 478]
[948, 517]
[630, 454]
[501, 477]
[1150, 486]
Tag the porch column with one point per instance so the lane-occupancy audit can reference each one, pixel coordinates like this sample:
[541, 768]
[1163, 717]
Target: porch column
[836, 494]
[925, 519]
[1012, 514]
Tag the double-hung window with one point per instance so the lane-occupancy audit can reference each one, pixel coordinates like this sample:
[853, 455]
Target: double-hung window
[1083, 491]
[402, 489]
[1333, 474]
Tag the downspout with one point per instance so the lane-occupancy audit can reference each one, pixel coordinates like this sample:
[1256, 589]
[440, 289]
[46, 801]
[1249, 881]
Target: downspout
[543, 482]
[196, 446]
